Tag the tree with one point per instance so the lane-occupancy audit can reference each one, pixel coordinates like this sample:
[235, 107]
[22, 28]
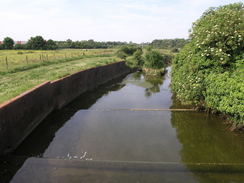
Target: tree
[121, 54]
[8, 43]
[169, 43]
[154, 60]
[19, 47]
[36, 43]
[51, 45]
[69, 43]
[209, 69]
[137, 55]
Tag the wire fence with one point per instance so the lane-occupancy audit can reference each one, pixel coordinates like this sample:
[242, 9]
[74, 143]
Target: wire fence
[10, 61]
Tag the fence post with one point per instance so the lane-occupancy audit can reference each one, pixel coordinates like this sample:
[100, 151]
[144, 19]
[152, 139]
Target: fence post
[26, 58]
[6, 62]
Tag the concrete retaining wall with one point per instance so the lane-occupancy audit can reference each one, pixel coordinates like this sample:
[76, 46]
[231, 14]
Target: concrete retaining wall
[19, 116]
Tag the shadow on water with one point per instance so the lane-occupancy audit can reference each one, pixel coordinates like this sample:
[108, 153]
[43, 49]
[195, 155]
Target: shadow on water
[41, 137]
[38, 141]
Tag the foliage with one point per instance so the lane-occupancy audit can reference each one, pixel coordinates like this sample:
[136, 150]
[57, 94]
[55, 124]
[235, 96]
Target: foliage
[36, 43]
[51, 45]
[175, 50]
[89, 44]
[168, 43]
[121, 54]
[225, 93]
[19, 46]
[136, 60]
[137, 55]
[8, 43]
[207, 71]
[128, 49]
[154, 60]
[132, 54]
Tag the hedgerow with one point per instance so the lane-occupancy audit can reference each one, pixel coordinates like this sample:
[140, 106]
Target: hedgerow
[208, 71]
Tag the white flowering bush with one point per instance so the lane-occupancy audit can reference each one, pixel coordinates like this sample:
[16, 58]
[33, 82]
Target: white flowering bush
[207, 71]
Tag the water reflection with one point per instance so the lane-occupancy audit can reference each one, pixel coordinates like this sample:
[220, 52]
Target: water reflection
[152, 136]
[39, 140]
[205, 139]
[150, 83]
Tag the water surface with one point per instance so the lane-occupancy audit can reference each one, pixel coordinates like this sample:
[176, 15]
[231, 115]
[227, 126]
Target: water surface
[99, 127]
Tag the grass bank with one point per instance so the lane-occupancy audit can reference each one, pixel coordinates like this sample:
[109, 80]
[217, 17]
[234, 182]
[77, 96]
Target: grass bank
[12, 60]
[15, 83]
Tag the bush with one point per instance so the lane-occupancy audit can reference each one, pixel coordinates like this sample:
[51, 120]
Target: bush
[136, 61]
[154, 60]
[225, 93]
[19, 47]
[207, 71]
[121, 54]
[129, 49]
[126, 50]
[132, 55]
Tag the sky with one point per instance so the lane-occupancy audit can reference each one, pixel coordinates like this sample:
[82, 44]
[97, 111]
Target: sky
[102, 20]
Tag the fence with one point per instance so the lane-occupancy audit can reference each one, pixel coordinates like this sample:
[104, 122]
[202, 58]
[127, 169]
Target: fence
[12, 60]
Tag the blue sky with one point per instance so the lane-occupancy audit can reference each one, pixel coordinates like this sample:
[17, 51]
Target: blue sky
[101, 20]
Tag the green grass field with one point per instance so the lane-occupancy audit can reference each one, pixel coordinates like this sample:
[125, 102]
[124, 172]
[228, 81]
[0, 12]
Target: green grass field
[21, 76]
[12, 60]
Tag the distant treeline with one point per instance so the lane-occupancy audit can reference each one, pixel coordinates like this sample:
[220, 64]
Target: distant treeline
[39, 43]
[172, 44]
[34, 43]
[90, 44]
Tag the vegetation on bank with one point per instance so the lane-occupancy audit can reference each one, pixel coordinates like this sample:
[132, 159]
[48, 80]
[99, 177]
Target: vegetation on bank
[152, 62]
[170, 44]
[17, 60]
[208, 72]
[15, 83]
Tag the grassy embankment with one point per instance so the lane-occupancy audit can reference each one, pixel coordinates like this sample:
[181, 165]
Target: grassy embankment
[27, 69]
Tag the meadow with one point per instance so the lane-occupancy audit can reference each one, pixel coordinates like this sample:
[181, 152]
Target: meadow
[27, 68]
[15, 60]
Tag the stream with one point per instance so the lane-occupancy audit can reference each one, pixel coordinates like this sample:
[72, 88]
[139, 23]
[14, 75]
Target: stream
[102, 127]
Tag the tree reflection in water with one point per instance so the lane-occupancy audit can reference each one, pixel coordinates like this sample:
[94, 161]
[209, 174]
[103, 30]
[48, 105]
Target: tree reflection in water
[204, 139]
[149, 82]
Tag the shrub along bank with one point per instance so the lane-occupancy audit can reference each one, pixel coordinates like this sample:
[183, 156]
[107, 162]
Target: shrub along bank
[209, 70]
[152, 62]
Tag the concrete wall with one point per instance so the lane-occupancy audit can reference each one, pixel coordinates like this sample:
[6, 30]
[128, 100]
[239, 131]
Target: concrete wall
[19, 116]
